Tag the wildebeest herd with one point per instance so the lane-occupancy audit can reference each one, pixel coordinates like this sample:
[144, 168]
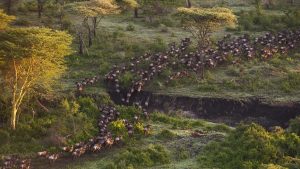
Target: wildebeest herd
[103, 140]
[182, 61]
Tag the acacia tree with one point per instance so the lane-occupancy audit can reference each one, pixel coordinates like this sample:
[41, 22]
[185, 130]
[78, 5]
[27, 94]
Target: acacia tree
[131, 4]
[153, 8]
[33, 58]
[201, 22]
[92, 12]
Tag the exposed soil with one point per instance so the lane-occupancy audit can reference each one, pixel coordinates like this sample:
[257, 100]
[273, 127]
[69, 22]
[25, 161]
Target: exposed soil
[224, 110]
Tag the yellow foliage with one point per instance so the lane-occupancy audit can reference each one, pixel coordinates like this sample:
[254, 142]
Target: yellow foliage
[95, 8]
[215, 15]
[131, 3]
[5, 19]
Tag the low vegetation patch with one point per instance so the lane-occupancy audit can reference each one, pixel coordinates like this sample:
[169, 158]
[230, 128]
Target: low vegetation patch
[252, 147]
[152, 155]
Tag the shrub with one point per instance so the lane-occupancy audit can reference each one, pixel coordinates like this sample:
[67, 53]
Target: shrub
[118, 128]
[130, 27]
[271, 166]
[128, 112]
[140, 158]
[251, 147]
[294, 126]
[88, 106]
[126, 79]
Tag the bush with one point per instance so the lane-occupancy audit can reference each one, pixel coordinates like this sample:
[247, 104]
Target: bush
[251, 147]
[130, 27]
[141, 158]
[128, 112]
[126, 79]
[88, 106]
[294, 126]
[118, 128]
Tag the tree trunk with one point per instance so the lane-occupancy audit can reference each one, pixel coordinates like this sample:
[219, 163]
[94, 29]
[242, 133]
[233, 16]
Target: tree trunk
[8, 6]
[188, 3]
[80, 43]
[94, 26]
[13, 116]
[90, 37]
[136, 12]
[40, 8]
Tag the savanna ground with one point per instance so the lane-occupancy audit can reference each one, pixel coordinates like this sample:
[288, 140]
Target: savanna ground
[170, 144]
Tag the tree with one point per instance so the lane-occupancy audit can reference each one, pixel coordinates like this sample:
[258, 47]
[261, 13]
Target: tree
[33, 58]
[132, 4]
[201, 22]
[188, 3]
[9, 4]
[40, 7]
[5, 20]
[154, 8]
[93, 10]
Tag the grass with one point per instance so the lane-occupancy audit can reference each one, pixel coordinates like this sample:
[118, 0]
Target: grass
[175, 148]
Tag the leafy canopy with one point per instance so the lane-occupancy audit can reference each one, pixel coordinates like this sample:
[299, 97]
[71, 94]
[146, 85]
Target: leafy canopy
[38, 53]
[216, 16]
[95, 8]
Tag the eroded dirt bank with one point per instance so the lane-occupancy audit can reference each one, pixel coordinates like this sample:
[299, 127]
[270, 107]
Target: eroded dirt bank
[229, 111]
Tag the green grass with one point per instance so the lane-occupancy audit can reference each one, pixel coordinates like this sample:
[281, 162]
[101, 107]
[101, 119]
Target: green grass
[176, 147]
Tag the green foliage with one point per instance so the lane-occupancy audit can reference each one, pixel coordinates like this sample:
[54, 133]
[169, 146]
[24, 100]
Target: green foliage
[118, 128]
[166, 135]
[158, 45]
[126, 79]
[130, 27]
[291, 82]
[294, 126]
[200, 22]
[142, 157]
[128, 112]
[176, 121]
[88, 106]
[252, 21]
[4, 137]
[251, 147]
[221, 128]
